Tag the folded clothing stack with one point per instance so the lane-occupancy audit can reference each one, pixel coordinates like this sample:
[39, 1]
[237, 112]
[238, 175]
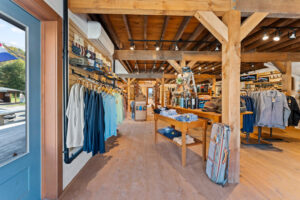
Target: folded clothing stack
[168, 113]
[189, 117]
[169, 132]
[188, 140]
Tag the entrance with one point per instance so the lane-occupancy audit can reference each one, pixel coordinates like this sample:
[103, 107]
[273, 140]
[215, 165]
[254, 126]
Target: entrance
[20, 168]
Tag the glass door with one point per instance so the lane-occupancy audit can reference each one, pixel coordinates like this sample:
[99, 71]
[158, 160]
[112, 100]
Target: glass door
[20, 103]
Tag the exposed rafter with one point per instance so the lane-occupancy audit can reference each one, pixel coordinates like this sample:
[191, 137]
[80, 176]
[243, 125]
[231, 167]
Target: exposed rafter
[145, 31]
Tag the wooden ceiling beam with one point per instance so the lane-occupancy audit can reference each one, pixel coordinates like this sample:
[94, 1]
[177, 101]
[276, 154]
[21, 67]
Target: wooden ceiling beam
[146, 7]
[203, 56]
[258, 40]
[258, 35]
[110, 29]
[180, 30]
[125, 19]
[215, 26]
[198, 30]
[145, 31]
[281, 66]
[175, 65]
[250, 23]
[164, 28]
[272, 6]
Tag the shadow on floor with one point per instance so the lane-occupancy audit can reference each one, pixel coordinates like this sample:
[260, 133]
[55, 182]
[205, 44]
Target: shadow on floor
[84, 177]
[195, 167]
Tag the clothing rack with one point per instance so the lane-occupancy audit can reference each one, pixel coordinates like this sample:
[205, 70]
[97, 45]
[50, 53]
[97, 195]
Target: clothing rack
[89, 78]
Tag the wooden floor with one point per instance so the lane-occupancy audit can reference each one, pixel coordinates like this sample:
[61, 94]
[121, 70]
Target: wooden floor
[12, 141]
[135, 168]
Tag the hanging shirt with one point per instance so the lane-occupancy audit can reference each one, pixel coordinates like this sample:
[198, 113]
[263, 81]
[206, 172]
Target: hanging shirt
[75, 117]
[295, 111]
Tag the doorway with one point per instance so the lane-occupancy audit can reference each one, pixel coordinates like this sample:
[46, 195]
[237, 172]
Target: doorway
[20, 167]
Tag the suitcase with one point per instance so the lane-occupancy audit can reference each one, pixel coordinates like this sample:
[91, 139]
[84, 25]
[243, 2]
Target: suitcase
[218, 154]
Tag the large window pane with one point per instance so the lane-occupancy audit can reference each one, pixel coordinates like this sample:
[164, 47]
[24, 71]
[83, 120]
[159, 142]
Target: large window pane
[13, 138]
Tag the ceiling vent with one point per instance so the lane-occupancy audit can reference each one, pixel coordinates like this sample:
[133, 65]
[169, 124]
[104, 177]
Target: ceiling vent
[98, 36]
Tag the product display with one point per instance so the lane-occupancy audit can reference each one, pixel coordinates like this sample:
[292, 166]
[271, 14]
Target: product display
[271, 109]
[188, 140]
[93, 117]
[295, 111]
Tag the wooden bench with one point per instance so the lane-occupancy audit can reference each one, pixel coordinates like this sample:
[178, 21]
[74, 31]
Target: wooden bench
[8, 112]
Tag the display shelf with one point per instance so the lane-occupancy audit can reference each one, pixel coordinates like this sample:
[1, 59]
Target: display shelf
[184, 127]
[197, 141]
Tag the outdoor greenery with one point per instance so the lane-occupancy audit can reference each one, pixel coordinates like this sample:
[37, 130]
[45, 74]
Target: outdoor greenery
[12, 75]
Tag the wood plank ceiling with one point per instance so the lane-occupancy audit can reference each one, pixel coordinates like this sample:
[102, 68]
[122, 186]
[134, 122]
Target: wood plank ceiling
[122, 28]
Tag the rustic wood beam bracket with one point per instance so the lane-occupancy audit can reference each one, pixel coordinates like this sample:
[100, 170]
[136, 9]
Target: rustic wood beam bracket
[250, 23]
[175, 65]
[214, 25]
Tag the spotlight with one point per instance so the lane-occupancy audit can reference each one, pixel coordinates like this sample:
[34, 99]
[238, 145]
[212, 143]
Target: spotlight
[200, 68]
[136, 66]
[157, 48]
[252, 65]
[132, 47]
[217, 47]
[265, 36]
[276, 37]
[162, 68]
[154, 66]
[176, 47]
[292, 35]
[213, 68]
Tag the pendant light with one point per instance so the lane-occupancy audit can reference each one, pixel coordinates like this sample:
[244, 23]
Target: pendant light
[292, 35]
[176, 47]
[265, 36]
[136, 66]
[157, 48]
[276, 37]
[132, 46]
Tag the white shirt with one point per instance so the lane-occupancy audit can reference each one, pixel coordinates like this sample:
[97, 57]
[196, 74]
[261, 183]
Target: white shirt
[75, 114]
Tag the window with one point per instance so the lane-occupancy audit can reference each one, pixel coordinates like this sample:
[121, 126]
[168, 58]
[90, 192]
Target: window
[13, 116]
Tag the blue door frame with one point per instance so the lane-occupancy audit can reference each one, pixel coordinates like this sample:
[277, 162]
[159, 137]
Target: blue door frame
[21, 178]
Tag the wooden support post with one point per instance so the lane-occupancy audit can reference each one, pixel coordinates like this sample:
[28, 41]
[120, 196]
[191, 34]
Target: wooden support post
[15, 97]
[287, 78]
[214, 86]
[128, 93]
[231, 64]
[163, 92]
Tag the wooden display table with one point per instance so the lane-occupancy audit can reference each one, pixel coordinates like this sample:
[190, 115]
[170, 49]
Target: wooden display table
[184, 127]
[213, 116]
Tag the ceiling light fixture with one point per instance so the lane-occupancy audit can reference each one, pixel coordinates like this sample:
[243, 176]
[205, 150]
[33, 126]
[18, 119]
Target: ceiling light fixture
[176, 47]
[217, 47]
[157, 48]
[132, 46]
[136, 66]
[276, 37]
[265, 36]
[252, 65]
[200, 68]
[292, 35]
[213, 68]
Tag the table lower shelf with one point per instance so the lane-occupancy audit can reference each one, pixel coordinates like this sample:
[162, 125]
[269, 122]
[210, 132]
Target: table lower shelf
[197, 142]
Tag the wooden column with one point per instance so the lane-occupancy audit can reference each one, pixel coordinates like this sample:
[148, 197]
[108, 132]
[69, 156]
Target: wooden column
[231, 64]
[214, 86]
[287, 78]
[163, 92]
[128, 93]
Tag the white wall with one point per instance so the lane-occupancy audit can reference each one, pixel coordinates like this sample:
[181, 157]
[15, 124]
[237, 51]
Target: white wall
[119, 68]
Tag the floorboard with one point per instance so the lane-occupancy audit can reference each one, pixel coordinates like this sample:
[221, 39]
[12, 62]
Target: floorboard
[136, 168]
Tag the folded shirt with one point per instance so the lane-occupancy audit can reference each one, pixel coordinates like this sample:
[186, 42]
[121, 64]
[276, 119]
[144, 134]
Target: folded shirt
[189, 117]
[188, 140]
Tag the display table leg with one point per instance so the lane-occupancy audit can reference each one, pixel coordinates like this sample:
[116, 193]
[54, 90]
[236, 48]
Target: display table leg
[183, 147]
[155, 131]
